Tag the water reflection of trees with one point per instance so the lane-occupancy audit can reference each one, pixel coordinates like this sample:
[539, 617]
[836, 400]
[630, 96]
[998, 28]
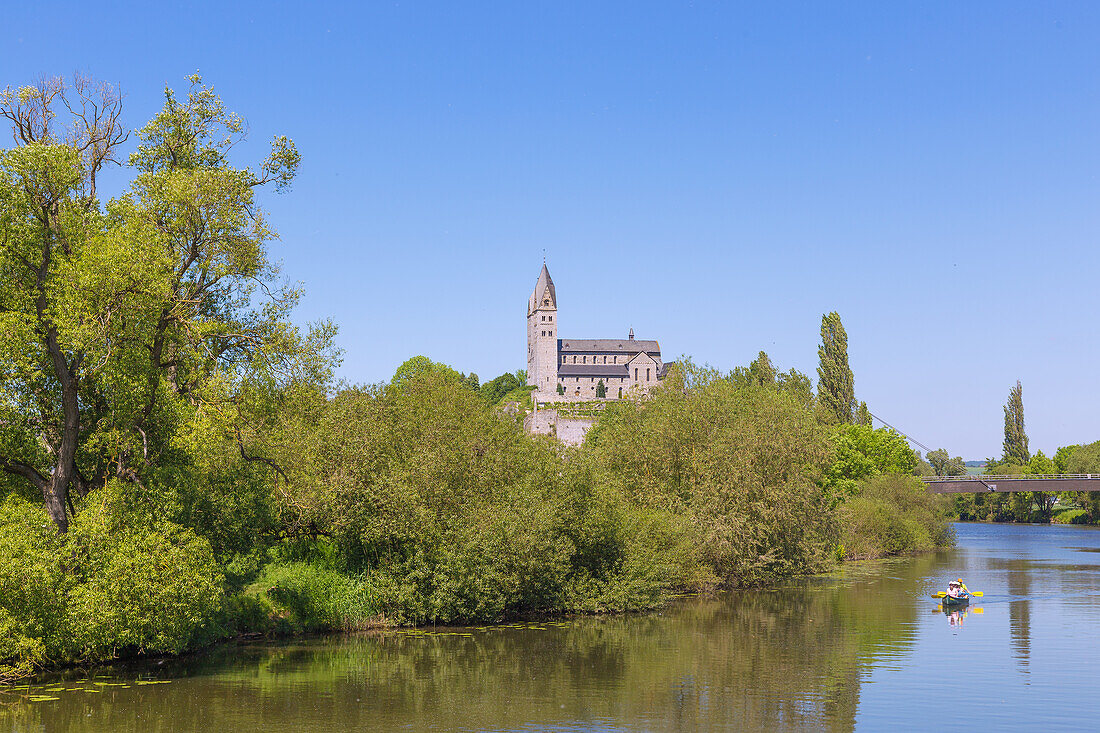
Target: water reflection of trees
[790, 658]
[1018, 572]
[1019, 613]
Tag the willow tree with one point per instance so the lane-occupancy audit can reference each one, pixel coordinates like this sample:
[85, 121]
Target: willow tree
[836, 384]
[1015, 442]
[120, 319]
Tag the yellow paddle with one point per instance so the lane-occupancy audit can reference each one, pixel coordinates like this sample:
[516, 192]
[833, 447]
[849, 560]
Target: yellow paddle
[943, 594]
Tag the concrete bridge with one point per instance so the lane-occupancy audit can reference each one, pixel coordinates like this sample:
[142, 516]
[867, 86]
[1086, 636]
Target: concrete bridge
[1001, 484]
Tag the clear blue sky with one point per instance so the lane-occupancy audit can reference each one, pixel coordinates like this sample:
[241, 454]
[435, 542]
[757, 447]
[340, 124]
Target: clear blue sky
[715, 175]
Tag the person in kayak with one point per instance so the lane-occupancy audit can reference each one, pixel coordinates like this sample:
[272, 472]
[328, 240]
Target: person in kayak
[954, 588]
[963, 588]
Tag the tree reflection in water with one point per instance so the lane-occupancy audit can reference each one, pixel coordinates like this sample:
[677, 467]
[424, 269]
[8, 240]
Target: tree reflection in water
[761, 660]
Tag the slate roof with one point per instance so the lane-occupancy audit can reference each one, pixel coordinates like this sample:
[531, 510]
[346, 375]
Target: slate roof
[592, 370]
[609, 346]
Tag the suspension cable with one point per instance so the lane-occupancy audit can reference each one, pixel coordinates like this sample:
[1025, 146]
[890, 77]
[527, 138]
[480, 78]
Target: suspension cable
[907, 437]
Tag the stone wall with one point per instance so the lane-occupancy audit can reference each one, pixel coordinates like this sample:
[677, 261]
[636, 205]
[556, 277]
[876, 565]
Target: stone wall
[569, 430]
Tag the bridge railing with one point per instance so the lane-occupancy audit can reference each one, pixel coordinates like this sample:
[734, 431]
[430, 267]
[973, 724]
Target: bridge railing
[1024, 477]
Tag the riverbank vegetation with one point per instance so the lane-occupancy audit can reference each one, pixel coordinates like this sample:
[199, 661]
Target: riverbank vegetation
[1066, 507]
[178, 464]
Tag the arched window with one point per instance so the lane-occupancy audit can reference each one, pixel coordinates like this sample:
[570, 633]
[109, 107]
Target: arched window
[647, 374]
[635, 374]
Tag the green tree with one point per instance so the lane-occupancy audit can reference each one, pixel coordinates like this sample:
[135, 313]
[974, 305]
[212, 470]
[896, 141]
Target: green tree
[861, 452]
[739, 464]
[1062, 457]
[863, 415]
[119, 320]
[493, 390]
[1040, 465]
[761, 372]
[601, 389]
[457, 515]
[1086, 459]
[836, 384]
[417, 366]
[1015, 442]
[561, 389]
[1083, 458]
[944, 465]
[798, 386]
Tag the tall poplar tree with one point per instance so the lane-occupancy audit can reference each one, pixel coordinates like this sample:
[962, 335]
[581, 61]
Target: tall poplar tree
[836, 385]
[1015, 445]
[762, 371]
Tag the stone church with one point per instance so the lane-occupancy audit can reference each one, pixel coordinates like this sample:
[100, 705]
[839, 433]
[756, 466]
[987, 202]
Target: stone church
[579, 365]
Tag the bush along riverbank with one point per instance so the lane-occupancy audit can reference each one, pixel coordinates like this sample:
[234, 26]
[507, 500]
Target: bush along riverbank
[415, 502]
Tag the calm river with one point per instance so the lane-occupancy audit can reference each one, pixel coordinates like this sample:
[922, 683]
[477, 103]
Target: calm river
[866, 649]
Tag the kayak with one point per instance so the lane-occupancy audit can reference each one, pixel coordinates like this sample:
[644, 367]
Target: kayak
[956, 601]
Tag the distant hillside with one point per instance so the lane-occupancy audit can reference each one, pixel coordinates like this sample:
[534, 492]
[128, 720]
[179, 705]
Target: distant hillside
[973, 464]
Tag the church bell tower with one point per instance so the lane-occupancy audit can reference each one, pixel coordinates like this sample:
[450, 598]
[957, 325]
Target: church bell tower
[542, 335]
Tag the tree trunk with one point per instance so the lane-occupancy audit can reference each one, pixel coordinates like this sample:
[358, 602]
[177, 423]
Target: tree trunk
[56, 490]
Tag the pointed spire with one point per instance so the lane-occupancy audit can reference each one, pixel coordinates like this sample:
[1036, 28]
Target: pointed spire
[544, 291]
[631, 336]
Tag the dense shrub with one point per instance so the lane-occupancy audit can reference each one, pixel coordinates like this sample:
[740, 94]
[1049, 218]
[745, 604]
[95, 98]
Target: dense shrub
[651, 552]
[893, 514]
[740, 464]
[415, 502]
[451, 514]
[112, 585]
[33, 587]
[142, 587]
